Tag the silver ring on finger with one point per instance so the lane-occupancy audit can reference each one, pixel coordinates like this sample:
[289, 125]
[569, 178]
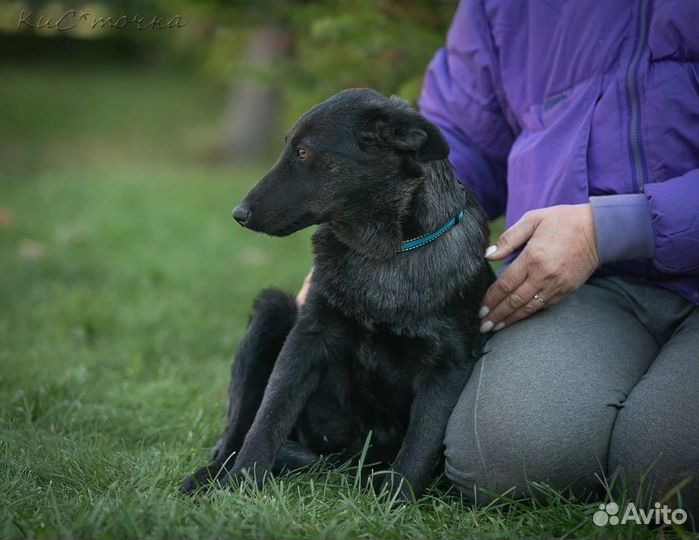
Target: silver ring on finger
[539, 299]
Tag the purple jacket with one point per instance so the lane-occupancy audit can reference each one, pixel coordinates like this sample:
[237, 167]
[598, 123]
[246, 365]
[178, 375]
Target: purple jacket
[549, 102]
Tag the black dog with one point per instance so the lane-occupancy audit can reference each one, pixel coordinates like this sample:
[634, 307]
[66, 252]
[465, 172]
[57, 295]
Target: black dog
[388, 334]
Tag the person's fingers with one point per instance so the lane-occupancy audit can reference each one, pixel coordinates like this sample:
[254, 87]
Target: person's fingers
[514, 237]
[301, 296]
[506, 284]
[529, 309]
[519, 299]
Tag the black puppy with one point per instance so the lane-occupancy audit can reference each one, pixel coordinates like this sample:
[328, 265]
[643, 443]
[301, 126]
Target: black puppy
[388, 334]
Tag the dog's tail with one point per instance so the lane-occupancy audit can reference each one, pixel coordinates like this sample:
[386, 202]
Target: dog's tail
[273, 316]
[274, 304]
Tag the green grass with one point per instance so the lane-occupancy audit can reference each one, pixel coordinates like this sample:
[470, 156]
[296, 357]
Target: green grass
[124, 288]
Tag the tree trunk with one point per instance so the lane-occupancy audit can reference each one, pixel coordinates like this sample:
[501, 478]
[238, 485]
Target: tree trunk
[253, 107]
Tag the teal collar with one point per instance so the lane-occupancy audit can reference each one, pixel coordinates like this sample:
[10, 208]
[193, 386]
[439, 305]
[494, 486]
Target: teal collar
[420, 241]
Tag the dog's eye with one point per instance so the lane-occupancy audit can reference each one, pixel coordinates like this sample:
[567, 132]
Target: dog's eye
[302, 153]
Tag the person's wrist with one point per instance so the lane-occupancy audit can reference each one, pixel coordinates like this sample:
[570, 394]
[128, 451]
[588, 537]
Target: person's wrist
[623, 228]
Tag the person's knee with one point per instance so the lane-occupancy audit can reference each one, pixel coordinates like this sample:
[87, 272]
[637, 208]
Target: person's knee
[651, 466]
[514, 462]
[653, 447]
[654, 457]
[495, 443]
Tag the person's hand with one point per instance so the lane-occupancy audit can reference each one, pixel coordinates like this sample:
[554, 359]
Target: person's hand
[301, 296]
[559, 255]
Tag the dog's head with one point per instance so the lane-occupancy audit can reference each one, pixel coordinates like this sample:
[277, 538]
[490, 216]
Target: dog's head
[356, 153]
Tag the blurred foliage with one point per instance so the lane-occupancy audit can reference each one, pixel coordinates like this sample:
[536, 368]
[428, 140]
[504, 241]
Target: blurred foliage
[381, 44]
[386, 49]
[384, 44]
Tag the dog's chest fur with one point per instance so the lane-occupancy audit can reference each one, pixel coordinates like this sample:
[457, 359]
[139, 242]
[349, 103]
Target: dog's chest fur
[402, 291]
[414, 293]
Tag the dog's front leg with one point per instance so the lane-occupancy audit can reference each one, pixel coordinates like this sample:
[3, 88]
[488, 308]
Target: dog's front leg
[434, 399]
[295, 377]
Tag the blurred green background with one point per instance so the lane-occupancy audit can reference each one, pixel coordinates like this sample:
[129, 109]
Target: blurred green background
[124, 284]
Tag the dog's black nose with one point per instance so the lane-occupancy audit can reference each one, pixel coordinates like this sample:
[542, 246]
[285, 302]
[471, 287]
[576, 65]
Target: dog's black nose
[241, 213]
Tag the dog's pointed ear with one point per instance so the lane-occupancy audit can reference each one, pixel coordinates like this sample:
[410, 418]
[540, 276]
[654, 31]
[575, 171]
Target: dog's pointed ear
[406, 131]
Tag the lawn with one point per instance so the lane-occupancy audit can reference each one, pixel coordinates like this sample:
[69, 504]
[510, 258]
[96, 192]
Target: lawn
[125, 287]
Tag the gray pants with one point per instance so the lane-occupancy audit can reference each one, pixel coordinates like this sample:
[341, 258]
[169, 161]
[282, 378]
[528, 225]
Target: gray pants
[607, 381]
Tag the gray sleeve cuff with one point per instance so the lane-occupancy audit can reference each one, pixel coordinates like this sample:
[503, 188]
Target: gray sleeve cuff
[623, 227]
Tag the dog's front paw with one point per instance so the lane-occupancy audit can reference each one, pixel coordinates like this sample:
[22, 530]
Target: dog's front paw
[202, 478]
[253, 473]
[394, 489]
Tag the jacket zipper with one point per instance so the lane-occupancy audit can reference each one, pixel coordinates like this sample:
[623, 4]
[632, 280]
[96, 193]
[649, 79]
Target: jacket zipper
[638, 165]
